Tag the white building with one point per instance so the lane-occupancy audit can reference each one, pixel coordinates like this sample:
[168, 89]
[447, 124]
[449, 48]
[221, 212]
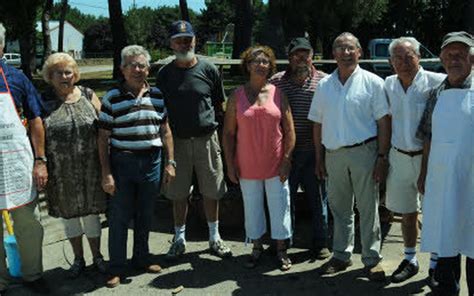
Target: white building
[72, 41]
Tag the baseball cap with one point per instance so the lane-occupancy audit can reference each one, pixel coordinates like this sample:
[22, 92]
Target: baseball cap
[299, 43]
[181, 29]
[462, 37]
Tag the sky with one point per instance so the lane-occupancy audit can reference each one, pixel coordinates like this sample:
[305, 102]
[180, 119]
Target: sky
[100, 7]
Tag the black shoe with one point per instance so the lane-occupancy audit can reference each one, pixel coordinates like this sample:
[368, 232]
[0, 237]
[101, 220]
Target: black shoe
[39, 286]
[431, 281]
[404, 271]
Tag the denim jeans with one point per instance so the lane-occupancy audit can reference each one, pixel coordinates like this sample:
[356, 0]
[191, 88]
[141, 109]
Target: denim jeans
[302, 172]
[137, 180]
[448, 274]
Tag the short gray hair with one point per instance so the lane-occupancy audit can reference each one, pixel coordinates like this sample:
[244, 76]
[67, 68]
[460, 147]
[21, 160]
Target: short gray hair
[133, 51]
[346, 34]
[414, 43]
[2, 35]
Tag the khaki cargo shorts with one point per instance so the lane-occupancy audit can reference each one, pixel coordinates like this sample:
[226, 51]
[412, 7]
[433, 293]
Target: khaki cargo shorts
[203, 155]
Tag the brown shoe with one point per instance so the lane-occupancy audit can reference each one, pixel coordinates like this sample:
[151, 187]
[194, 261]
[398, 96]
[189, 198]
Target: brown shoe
[375, 273]
[153, 268]
[335, 265]
[113, 281]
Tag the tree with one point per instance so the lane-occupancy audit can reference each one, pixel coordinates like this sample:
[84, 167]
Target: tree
[20, 17]
[45, 18]
[243, 27]
[183, 7]
[119, 36]
[73, 15]
[98, 38]
[138, 24]
[62, 18]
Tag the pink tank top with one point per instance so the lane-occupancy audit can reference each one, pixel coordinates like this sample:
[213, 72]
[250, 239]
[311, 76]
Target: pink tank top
[259, 136]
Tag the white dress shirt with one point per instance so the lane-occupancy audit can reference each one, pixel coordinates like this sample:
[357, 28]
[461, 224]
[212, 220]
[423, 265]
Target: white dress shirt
[348, 113]
[407, 107]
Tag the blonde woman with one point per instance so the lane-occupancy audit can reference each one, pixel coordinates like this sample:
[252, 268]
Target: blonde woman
[74, 191]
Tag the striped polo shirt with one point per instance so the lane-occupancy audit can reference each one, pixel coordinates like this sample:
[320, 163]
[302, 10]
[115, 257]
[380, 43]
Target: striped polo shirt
[299, 98]
[134, 122]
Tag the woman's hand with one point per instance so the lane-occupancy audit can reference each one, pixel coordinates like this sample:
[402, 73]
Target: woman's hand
[108, 184]
[285, 167]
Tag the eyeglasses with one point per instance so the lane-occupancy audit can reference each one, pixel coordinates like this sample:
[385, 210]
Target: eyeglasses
[134, 65]
[61, 73]
[342, 48]
[260, 61]
[405, 58]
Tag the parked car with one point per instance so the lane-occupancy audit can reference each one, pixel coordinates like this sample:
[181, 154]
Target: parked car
[378, 50]
[13, 59]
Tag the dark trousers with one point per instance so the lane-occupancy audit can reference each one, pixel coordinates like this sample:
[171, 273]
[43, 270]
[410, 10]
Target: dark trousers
[137, 180]
[448, 273]
[302, 172]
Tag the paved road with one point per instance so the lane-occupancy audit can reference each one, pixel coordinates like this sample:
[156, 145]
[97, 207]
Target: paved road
[203, 274]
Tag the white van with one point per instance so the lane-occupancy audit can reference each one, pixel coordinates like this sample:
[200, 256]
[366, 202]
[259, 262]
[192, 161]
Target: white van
[13, 59]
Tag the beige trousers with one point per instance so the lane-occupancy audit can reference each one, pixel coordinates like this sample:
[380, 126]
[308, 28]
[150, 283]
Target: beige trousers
[350, 178]
[29, 235]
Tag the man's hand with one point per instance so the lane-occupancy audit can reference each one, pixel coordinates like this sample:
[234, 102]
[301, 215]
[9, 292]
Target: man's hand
[108, 184]
[170, 174]
[233, 174]
[420, 184]
[40, 175]
[380, 170]
[284, 171]
[320, 170]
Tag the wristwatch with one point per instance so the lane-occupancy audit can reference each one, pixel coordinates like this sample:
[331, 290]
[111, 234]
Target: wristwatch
[172, 162]
[41, 158]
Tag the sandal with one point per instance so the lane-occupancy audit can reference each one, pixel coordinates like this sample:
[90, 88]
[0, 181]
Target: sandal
[283, 260]
[254, 257]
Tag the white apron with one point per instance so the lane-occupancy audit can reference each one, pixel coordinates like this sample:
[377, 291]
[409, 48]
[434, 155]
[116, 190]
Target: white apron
[448, 206]
[16, 156]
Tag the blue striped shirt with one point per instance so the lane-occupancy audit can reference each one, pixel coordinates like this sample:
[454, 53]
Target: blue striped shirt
[134, 122]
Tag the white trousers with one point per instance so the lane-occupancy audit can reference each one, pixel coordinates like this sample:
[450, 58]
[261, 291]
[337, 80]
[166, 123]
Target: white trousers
[278, 200]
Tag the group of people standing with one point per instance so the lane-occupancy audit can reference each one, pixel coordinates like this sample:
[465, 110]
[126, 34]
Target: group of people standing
[300, 127]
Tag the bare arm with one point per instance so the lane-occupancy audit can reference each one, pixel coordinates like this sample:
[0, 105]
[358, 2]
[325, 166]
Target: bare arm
[108, 182]
[289, 138]
[383, 138]
[96, 102]
[40, 172]
[320, 169]
[229, 137]
[424, 166]
[167, 139]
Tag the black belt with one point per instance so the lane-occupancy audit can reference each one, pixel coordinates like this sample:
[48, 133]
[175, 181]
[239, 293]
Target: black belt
[141, 151]
[409, 153]
[361, 143]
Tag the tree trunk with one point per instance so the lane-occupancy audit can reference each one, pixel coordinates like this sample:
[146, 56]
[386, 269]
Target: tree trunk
[45, 18]
[119, 37]
[243, 27]
[183, 6]
[62, 18]
[27, 50]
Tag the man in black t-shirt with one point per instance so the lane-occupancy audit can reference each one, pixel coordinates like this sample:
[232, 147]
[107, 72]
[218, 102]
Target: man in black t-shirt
[193, 97]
